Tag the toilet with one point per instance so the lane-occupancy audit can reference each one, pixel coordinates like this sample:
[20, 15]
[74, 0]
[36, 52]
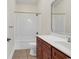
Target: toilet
[32, 48]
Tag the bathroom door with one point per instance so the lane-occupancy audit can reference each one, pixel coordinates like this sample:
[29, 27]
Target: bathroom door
[26, 26]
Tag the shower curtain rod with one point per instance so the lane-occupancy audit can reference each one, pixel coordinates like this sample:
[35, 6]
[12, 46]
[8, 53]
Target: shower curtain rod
[27, 12]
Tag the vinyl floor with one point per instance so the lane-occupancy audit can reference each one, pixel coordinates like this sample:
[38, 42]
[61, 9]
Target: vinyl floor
[23, 54]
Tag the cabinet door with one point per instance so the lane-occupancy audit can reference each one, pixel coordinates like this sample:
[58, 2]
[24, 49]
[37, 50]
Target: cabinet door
[46, 54]
[58, 55]
[39, 48]
[46, 51]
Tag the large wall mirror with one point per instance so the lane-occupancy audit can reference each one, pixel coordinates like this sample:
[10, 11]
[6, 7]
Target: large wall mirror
[61, 16]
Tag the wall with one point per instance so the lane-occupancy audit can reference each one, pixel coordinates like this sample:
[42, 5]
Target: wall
[26, 8]
[44, 7]
[68, 16]
[10, 32]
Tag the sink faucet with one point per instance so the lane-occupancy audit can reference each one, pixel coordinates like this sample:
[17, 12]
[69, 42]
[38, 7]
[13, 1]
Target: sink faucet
[69, 39]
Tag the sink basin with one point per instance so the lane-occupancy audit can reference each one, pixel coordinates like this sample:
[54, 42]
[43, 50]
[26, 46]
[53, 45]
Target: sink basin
[64, 44]
[54, 38]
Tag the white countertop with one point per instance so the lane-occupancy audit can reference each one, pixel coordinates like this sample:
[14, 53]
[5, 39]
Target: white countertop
[52, 40]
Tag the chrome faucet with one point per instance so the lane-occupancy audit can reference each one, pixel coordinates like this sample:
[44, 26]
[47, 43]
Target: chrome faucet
[69, 39]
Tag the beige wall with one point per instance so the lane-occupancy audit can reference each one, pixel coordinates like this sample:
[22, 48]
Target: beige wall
[44, 7]
[26, 8]
[68, 16]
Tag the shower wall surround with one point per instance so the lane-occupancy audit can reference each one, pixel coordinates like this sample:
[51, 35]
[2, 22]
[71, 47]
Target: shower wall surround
[26, 26]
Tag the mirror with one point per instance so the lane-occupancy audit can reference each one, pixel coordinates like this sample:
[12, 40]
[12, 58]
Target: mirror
[61, 16]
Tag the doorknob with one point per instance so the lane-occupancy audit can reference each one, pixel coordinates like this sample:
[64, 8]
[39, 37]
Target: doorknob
[8, 39]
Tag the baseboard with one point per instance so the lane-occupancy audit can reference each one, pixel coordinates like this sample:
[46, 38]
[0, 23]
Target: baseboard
[11, 55]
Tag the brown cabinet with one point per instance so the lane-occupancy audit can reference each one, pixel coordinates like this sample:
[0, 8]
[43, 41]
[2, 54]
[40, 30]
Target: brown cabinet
[43, 49]
[56, 54]
[46, 51]
[39, 48]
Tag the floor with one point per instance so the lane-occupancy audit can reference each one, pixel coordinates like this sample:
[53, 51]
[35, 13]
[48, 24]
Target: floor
[23, 54]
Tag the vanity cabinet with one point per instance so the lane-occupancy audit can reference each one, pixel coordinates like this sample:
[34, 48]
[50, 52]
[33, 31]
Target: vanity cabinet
[39, 48]
[56, 54]
[43, 49]
[47, 51]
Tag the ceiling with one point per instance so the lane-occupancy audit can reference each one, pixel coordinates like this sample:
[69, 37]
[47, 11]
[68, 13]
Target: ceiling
[26, 1]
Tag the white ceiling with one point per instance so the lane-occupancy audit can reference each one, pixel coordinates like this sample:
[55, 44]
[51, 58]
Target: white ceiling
[26, 1]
